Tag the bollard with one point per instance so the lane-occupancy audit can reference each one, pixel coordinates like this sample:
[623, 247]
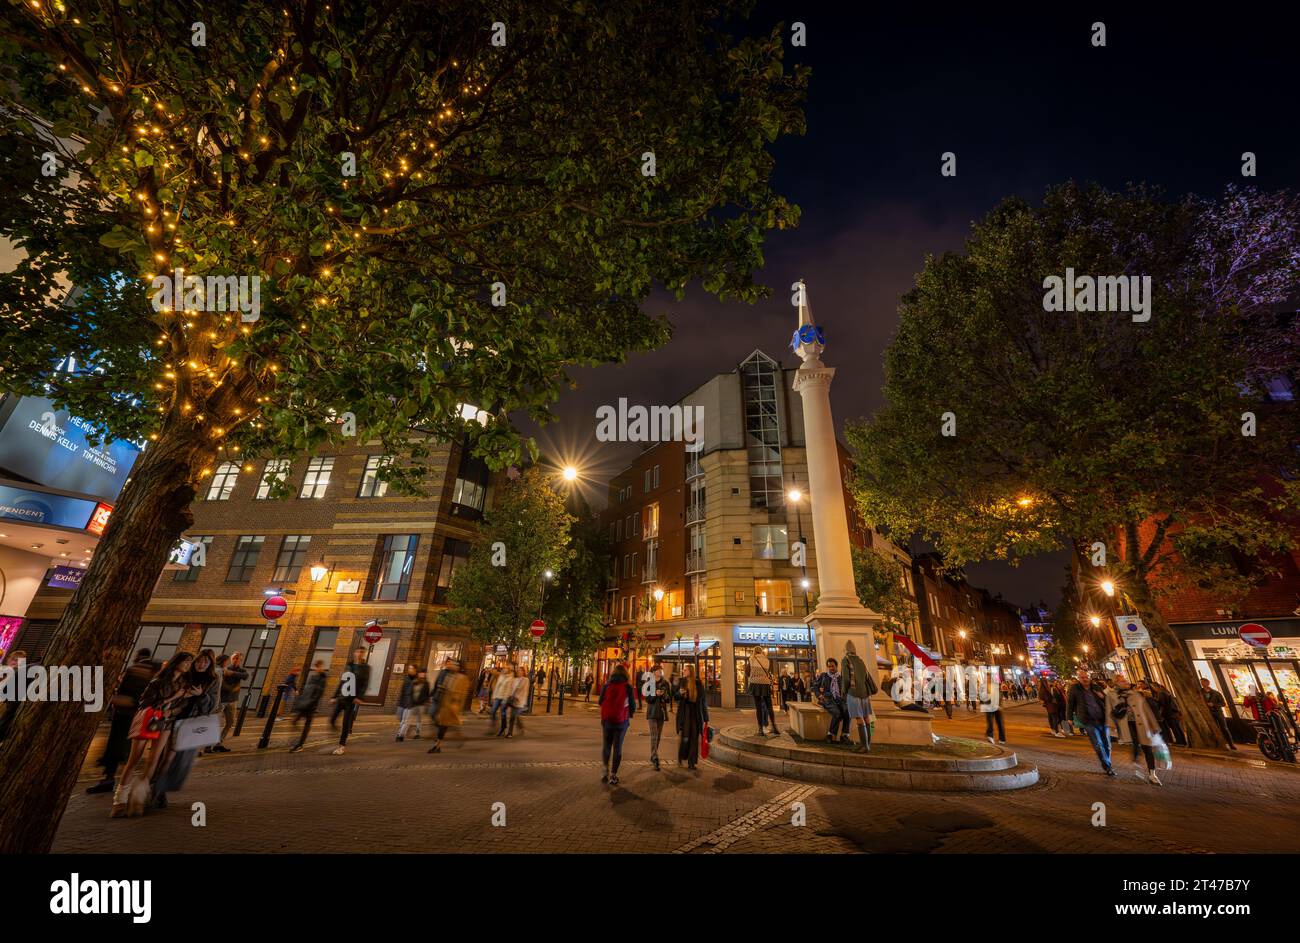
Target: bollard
[270, 721]
[261, 705]
[239, 721]
[549, 688]
[561, 710]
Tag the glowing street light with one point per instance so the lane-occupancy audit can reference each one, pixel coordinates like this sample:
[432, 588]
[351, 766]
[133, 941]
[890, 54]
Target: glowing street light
[794, 494]
[319, 571]
[570, 473]
[1108, 587]
[1095, 620]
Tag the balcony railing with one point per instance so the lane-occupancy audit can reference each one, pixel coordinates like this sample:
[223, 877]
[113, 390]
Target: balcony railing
[697, 609]
[695, 513]
[693, 469]
[649, 574]
[694, 561]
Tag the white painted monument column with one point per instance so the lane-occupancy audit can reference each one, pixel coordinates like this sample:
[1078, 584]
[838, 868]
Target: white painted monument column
[840, 615]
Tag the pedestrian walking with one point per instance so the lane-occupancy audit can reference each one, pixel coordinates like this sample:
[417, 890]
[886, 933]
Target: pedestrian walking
[759, 669]
[1216, 704]
[232, 678]
[404, 695]
[1047, 697]
[858, 688]
[123, 707]
[829, 691]
[416, 700]
[290, 692]
[1133, 710]
[691, 699]
[658, 705]
[803, 686]
[1086, 703]
[1062, 710]
[352, 684]
[201, 701]
[149, 733]
[445, 700]
[483, 688]
[1172, 712]
[515, 702]
[617, 705]
[785, 690]
[306, 704]
[502, 689]
[991, 708]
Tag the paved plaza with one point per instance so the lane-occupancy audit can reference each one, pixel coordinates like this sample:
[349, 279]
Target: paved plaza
[384, 796]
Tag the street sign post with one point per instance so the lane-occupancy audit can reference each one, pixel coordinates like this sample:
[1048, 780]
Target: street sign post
[1255, 635]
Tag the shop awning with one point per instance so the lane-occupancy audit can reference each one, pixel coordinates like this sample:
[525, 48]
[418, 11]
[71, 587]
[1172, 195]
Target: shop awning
[686, 648]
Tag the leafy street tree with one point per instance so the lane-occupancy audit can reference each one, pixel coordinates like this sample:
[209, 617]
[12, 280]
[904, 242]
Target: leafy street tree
[497, 592]
[435, 205]
[1010, 429]
[574, 613]
[879, 584]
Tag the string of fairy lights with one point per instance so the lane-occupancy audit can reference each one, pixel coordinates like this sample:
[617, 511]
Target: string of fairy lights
[198, 347]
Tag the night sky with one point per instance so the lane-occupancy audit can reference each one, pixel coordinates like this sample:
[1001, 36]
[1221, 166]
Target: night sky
[1024, 101]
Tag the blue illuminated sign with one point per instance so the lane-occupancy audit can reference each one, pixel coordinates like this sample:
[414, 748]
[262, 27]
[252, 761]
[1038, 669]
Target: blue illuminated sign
[37, 507]
[773, 635]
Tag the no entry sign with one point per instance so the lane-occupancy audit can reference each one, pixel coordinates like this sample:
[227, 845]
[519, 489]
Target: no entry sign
[373, 634]
[1252, 633]
[538, 628]
[273, 607]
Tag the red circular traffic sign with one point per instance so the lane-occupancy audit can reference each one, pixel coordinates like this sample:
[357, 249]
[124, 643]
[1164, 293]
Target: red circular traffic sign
[273, 607]
[1252, 633]
[373, 634]
[538, 628]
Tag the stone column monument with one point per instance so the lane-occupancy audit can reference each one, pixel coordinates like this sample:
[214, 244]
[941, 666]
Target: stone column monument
[839, 615]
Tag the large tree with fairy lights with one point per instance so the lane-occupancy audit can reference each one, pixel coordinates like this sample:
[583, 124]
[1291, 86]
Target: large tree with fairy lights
[442, 203]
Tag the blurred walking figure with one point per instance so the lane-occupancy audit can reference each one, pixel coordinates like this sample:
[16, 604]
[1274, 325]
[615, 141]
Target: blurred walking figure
[803, 685]
[617, 705]
[759, 669]
[1047, 697]
[515, 702]
[151, 728]
[290, 692]
[124, 705]
[991, 707]
[404, 697]
[692, 715]
[657, 707]
[483, 688]
[232, 677]
[445, 700]
[1144, 730]
[417, 698]
[502, 689]
[785, 688]
[1087, 707]
[355, 678]
[305, 705]
[202, 701]
[1171, 713]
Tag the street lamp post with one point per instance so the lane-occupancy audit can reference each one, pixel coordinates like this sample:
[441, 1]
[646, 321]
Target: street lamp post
[532, 659]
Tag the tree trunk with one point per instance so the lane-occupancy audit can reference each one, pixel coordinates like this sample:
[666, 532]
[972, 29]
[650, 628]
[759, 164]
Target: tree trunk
[47, 742]
[1199, 724]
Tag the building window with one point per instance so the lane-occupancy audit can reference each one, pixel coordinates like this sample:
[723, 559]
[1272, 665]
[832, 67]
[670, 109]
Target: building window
[191, 573]
[635, 571]
[651, 560]
[373, 486]
[627, 565]
[618, 529]
[656, 476]
[646, 490]
[275, 473]
[293, 554]
[244, 559]
[255, 643]
[771, 542]
[613, 530]
[161, 640]
[317, 479]
[650, 526]
[322, 649]
[223, 482]
[772, 598]
[762, 432]
[454, 555]
[470, 490]
[396, 561]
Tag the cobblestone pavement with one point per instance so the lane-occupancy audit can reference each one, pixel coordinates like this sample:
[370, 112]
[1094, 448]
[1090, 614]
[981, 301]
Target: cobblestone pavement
[385, 796]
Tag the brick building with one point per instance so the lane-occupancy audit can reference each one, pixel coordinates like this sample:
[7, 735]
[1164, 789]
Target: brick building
[344, 548]
[965, 622]
[703, 538]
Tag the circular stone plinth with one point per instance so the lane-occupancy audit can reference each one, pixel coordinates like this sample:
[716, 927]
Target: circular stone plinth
[951, 764]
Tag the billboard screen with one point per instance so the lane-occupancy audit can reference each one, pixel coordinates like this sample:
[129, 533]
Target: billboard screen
[37, 507]
[49, 446]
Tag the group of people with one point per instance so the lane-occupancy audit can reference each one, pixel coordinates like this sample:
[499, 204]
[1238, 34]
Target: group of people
[1117, 711]
[686, 698]
[503, 688]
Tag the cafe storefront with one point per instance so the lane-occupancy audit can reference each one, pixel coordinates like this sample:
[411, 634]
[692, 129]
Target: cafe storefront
[1235, 668]
[791, 647]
